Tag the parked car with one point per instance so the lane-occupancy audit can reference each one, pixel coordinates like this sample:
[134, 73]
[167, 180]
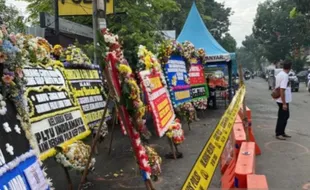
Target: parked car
[303, 76]
[308, 84]
[294, 81]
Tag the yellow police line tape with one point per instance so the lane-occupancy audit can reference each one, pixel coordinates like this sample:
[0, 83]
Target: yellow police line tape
[203, 170]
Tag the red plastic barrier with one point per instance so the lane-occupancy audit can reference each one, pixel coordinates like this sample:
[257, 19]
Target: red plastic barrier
[248, 112]
[239, 136]
[233, 144]
[257, 182]
[245, 164]
[251, 133]
[238, 119]
[252, 139]
[229, 176]
[227, 154]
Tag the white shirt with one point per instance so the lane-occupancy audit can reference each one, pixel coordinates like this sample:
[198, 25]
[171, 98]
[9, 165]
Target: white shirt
[309, 76]
[282, 81]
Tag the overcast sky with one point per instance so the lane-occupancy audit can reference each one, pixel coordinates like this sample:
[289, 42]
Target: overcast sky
[241, 20]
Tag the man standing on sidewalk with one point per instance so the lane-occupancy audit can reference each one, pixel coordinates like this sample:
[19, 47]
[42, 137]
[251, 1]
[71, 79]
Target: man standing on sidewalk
[282, 82]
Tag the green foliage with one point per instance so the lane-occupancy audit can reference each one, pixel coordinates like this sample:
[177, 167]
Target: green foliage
[215, 15]
[277, 32]
[251, 55]
[139, 25]
[228, 42]
[298, 60]
[36, 6]
[144, 18]
[302, 6]
[11, 17]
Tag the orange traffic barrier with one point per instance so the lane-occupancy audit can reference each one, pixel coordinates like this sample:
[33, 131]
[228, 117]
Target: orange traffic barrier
[251, 133]
[257, 182]
[228, 178]
[248, 113]
[245, 164]
[233, 144]
[239, 136]
[238, 119]
[227, 154]
[252, 139]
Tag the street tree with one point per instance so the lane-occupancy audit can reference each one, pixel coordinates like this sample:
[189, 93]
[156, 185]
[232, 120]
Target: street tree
[11, 17]
[143, 19]
[228, 42]
[280, 35]
[214, 14]
[139, 24]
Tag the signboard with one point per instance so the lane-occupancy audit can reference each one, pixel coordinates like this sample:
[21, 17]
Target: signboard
[81, 7]
[158, 98]
[87, 88]
[198, 82]
[210, 69]
[66, 26]
[178, 80]
[204, 168]
[218, 58]
[16, 157]
[54, 115]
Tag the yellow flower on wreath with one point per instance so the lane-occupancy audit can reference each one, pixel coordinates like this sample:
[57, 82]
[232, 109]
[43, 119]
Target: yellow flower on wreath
[135, 91]
[141, 111]
[124, 69]
[148, 62]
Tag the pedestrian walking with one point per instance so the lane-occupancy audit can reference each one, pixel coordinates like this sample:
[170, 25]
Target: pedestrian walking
[283, 84]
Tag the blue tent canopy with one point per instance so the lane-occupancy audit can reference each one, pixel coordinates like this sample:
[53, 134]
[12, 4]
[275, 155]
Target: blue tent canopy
[195, 31]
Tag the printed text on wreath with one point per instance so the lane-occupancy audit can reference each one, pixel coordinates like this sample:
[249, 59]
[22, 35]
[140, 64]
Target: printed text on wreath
[62, 128]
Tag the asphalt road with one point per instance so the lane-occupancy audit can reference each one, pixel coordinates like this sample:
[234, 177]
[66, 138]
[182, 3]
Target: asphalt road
[286, 164]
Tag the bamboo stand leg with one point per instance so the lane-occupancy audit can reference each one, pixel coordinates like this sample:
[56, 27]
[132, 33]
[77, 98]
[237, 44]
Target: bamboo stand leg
[245, 118]
[172, 148]
[94, 144]
[149, 185]
[189, 125]
[70, 185]
[176, 148]
[114, 117]
[96, 147]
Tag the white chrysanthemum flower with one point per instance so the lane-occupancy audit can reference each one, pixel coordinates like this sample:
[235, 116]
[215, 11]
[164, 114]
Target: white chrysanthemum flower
[7, 127]
[2, 103]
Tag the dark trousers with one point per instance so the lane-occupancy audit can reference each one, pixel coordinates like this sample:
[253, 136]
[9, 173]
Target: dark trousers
[212, 98]
[283, 116]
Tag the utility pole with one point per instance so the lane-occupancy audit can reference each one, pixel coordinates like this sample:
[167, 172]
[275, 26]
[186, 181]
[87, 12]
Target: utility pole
[99, 22]
[95, 29]
[56, 20]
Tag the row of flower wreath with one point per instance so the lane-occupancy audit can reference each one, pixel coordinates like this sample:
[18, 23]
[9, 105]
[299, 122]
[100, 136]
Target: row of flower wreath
[148, 159]
[19, 50]
[188, 51]
[16, 51]
[148, 61]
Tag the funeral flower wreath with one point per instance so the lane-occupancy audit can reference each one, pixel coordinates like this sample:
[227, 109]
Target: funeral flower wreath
[75, 156]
